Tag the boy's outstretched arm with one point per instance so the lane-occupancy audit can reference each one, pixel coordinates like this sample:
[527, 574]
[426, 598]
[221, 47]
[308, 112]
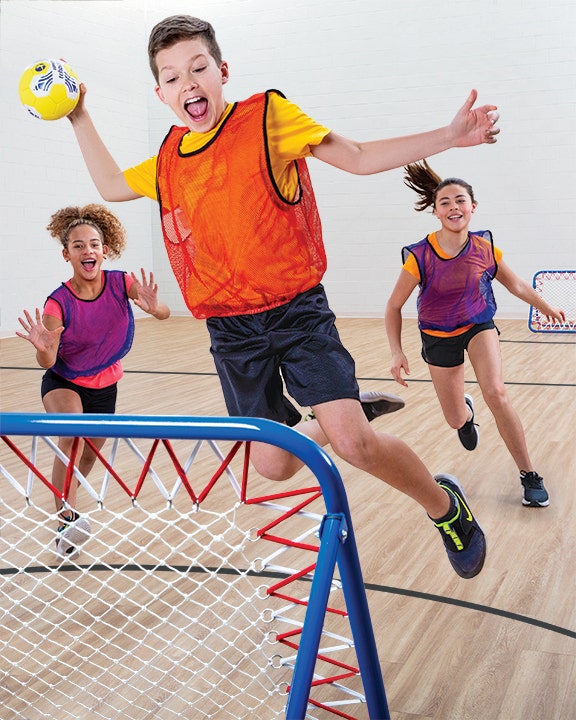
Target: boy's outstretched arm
[102, 167]
[470, 126]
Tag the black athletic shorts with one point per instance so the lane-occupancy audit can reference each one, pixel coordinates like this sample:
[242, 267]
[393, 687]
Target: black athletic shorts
[94, 400]
[296, 344]
[449, 351]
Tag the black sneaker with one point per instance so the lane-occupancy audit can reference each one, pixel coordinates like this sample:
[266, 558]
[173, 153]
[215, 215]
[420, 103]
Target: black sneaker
[376, 403]
[463, 537]
[468, 433]
[535, 494]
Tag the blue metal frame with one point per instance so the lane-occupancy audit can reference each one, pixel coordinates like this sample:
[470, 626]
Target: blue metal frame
[533, 311]
[337, 541]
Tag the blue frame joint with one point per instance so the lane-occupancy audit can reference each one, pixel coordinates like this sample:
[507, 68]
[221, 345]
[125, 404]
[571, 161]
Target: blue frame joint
[339, 517]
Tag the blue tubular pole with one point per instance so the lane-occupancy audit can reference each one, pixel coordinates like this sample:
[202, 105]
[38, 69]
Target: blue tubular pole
[361, 625]
[331, 535]
[337, 536]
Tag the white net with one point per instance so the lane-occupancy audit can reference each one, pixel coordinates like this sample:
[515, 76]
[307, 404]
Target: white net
[557, 287]
[187, 601]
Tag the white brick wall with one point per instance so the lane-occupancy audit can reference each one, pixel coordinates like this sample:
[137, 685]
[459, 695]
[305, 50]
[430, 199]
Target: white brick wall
[366, 69]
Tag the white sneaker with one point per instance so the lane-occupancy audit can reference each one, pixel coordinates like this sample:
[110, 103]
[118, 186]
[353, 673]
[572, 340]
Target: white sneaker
[70, 536]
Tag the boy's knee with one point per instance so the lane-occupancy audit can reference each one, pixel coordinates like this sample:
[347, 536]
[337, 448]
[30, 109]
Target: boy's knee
[276, 475]
[276, 466]
[357, 450]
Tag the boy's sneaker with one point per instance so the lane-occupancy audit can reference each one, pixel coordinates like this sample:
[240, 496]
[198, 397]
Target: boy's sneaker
[468, 433]
[376, 403]
[72, 534]
[535, 494]
[463, 537]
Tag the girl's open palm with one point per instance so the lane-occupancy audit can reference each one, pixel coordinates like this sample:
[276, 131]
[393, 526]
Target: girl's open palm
[147, 298]
[37, 333]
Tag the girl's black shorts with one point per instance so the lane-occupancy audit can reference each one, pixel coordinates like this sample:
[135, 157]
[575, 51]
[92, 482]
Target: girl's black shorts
[94, 400]
[449, 351]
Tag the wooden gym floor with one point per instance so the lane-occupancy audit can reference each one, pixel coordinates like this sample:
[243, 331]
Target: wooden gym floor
[499, 647]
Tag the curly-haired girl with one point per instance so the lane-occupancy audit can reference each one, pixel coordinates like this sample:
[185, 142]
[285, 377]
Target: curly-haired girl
[85, 329]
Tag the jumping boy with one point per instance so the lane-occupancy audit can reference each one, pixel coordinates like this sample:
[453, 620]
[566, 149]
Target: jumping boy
[244, 239]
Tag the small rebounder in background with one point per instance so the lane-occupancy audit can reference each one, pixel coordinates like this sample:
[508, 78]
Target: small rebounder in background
[558, 287]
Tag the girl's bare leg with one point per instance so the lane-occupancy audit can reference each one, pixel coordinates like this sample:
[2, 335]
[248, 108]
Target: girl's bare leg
[484, 353]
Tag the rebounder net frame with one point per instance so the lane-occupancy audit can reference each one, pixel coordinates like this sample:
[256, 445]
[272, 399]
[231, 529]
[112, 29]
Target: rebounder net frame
[200, 589]
[557, 287]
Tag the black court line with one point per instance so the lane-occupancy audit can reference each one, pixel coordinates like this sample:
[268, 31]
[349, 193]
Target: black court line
[473, 606]
[474, 382]
[133, 567]
[360, 379]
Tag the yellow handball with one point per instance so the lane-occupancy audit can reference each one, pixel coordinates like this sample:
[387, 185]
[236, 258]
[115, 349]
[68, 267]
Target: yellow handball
[49, 89]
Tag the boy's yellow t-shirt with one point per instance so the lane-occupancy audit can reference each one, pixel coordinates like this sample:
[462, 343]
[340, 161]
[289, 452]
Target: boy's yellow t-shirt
[290, 134]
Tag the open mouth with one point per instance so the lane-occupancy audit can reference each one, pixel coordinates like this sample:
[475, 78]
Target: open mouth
[196, 108]
[88, 264]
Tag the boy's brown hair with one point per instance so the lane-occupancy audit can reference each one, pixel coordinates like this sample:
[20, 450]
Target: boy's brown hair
[176, 28]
